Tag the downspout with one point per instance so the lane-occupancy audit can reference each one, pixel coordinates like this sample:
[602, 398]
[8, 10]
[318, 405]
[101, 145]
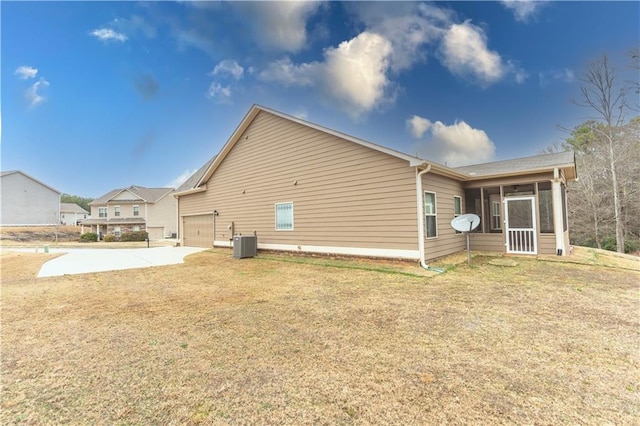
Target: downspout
[558, 212]
[420, 202]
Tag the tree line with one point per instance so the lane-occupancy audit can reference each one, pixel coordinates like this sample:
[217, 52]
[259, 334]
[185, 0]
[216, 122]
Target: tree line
[604, 203]
[75, 199]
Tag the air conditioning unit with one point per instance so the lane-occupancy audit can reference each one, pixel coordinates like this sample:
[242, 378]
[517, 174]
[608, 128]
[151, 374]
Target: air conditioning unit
[245, 246]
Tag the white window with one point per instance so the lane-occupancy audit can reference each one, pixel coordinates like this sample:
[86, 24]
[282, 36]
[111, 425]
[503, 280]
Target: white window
[102, 212]
[496, 223]
[457, 208]
[136, 210]
[430, 214]
[284, 216]
[116, 231]
[116, 211]
[136, 228]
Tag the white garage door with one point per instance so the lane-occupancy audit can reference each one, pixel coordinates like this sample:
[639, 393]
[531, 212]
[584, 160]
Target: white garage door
[198, 231]
[156, 232]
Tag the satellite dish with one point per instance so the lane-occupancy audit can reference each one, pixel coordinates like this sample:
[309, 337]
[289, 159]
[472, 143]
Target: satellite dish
[466, 222]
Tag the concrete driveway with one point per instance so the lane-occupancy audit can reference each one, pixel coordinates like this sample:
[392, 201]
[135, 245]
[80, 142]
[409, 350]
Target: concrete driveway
[81, 261]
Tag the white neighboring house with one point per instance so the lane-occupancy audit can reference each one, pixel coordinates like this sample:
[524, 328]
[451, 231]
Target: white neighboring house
[71, 214]
[26, 201]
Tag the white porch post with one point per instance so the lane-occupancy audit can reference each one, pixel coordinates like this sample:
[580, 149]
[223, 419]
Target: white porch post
[558, 219]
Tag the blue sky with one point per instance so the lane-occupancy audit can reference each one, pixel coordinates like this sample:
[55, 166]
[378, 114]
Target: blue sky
[97, 96]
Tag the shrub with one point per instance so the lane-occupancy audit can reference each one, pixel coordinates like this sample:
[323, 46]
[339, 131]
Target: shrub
[89, 237]
[134, 236]
[609, 243]
[109, 238]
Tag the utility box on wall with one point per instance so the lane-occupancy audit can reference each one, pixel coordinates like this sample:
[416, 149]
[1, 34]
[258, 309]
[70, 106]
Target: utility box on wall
[245, 246]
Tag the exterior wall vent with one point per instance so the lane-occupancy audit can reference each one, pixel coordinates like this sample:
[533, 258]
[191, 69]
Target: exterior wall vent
[245, 246]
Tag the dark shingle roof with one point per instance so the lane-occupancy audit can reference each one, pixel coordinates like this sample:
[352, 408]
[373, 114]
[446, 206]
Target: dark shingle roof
[538, 162]
[195, 178]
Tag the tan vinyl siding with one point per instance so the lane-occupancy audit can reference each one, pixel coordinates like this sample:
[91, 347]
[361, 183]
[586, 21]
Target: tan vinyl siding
[546, 243]
[161, 214]
[447, 241]
[487, 242]
[344, 194]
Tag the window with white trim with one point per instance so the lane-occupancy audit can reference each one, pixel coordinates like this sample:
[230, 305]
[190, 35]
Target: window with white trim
[430, 214]
[457, 208]
[284, 216]
[136, 210]
[102, 212]
[116, 231]
[496, 222]
[116, 211]
[136, 228]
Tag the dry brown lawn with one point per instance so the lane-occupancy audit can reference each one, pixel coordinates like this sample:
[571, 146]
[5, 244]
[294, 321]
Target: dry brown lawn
[284, 340]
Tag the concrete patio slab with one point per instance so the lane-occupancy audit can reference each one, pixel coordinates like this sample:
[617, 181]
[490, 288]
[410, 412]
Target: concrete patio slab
[82, 261]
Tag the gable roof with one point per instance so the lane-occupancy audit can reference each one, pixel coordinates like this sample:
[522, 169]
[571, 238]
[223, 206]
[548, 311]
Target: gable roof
[525, 165]
[10, 172]
[147, 195]
[72, 208]
[519, 166]
[213, 164]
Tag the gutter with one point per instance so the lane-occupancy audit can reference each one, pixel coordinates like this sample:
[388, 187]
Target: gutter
[190, 191]
[420, 201]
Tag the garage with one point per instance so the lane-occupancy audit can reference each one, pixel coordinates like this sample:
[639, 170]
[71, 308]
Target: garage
[156, 232]
[198, 231]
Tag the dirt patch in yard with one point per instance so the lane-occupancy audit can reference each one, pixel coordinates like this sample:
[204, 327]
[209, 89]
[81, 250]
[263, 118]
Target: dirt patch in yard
[266, 341]
[38, 234]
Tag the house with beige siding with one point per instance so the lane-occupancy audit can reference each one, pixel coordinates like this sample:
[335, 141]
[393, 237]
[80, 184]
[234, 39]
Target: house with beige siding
[302, 187]
[132, 209]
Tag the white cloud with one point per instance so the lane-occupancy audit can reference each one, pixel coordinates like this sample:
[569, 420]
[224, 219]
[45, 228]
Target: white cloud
[455, 145]
[418, 126]
[523, 9]
[564, 75]
[409, 27]
[354, 74]
[465, 53]
[32, 94]
[26, 72]
[219, 92]
[230, 67]
[356, 71]
[279, 25]
[182, 178]
[285, 72]
[106, 34]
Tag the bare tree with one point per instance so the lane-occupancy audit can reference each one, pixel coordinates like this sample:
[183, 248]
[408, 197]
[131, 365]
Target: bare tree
[601, 93]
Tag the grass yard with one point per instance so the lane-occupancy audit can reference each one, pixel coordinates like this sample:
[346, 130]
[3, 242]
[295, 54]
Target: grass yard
[282, 340]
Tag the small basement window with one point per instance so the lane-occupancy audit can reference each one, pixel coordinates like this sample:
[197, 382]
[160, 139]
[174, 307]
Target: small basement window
[284, 216]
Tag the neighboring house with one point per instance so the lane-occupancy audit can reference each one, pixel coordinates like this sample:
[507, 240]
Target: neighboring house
[303, 187]
[26, 201]
[71, 214]
[135, 208]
